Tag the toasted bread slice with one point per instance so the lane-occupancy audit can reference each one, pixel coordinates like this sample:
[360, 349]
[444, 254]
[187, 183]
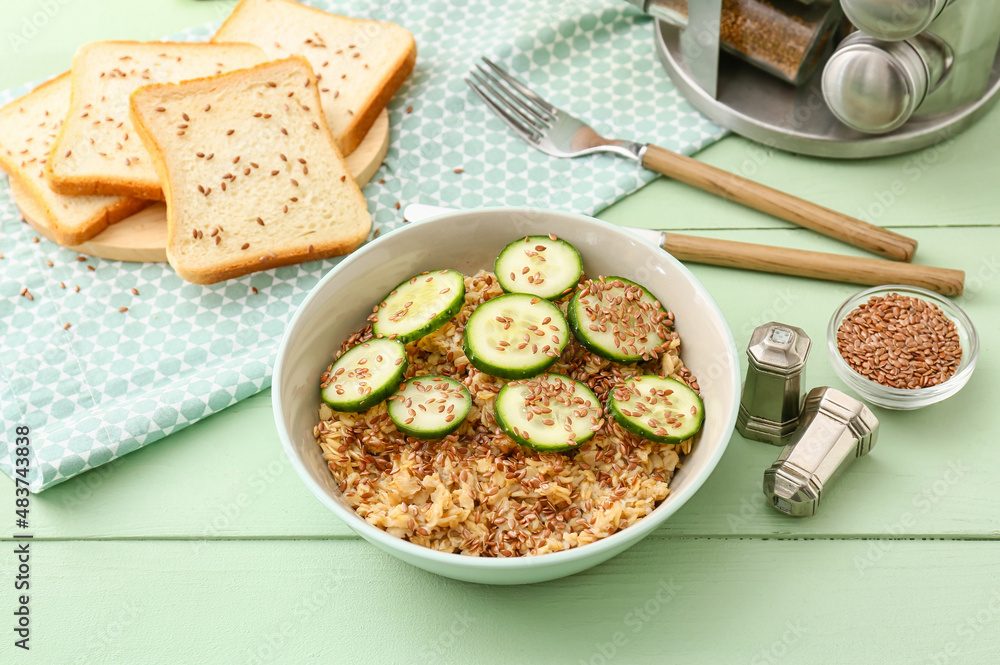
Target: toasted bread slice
[97, 151]
[360, 64]
[28, 129]
[255, 181]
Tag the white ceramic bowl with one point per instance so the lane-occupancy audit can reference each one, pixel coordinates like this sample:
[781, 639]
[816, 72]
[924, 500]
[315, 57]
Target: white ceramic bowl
[469, 241]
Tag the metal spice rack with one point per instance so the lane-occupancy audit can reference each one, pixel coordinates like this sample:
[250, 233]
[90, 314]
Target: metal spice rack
[763, 108]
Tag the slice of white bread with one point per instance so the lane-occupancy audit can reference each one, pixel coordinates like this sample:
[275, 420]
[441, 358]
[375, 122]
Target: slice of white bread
[97, 151]
[28, 129]
[360, 64]
[255, 181]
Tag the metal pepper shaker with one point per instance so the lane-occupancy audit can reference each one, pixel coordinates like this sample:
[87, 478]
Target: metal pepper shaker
[834, 429]
[772, 392]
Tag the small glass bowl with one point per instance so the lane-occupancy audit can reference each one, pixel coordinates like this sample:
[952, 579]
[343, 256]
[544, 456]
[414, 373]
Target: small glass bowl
[904, 398]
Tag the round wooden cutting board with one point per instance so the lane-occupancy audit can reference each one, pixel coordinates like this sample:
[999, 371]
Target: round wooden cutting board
[142, 237]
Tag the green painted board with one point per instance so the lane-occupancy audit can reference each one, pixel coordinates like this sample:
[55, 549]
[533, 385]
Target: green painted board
[895, 192]
[667, 600]
[205, 547]
[932, 472]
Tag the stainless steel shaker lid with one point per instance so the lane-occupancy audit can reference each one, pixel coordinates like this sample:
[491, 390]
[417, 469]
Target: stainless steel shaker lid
[874, 86]
[779, 348]
[892, 20]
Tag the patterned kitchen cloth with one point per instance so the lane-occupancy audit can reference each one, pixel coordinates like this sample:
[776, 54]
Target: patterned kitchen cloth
[116, 381]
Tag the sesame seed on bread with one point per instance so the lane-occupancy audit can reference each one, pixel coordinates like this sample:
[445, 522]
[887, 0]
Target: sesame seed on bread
[97, 151]
[256, 180]
[359, 63]
[28, 129]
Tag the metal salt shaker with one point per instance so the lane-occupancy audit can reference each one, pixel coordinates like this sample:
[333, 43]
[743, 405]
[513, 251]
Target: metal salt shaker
[834, 430]
[772, 392]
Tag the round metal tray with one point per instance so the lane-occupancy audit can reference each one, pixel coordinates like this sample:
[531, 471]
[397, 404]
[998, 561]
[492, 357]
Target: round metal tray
[777, 114]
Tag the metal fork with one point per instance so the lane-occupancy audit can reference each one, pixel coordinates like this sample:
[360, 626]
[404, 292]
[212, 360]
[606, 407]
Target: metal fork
[557, 133]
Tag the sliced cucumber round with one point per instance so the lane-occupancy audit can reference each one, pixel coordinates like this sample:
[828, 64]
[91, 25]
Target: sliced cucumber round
[618, 319]
[549, 413]
[364, 376]
[430, 407]
[515, 336]
[419, 306]
[656, 408]
[540, 265]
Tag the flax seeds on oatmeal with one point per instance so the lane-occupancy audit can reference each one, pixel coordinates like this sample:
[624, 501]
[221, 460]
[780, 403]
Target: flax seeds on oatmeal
[478, 493]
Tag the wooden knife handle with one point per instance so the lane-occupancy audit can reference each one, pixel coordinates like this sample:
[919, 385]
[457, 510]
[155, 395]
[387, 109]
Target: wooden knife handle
[752, 194]
[818, 265]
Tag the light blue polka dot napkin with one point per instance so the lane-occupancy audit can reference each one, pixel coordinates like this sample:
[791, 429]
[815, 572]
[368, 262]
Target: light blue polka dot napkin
[115, 382]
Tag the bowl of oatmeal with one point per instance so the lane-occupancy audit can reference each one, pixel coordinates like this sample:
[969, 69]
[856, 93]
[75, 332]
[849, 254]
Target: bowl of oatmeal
[477, 503]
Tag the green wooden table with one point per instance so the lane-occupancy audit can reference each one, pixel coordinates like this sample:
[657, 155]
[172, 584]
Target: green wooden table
[206, 547]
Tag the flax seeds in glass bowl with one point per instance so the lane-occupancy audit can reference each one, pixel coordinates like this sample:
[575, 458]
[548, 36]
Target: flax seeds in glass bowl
[902, 347]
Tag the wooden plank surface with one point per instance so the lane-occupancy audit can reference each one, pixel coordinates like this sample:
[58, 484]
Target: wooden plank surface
[205, 547]
[932, 472]
[895, 192]
[668, 600]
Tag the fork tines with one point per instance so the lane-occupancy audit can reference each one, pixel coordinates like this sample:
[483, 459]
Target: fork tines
[521, 109]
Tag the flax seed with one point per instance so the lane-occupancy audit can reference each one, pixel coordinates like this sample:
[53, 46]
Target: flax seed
[900, 342]
[364, 461]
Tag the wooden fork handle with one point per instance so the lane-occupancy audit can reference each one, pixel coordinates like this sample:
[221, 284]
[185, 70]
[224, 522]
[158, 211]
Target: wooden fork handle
[853, 231]
[818, 265]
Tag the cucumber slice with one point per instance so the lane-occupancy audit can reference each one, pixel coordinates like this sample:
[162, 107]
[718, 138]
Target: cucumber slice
[515, 336]
[364, 376]
[618, 319]
[419, 306]
[549, 413]
[540, 265]
[430, 407]
[658, 409]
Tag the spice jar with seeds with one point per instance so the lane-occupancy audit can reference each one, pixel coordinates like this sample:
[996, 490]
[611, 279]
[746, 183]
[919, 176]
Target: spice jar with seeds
[902, 347]
[782, 37]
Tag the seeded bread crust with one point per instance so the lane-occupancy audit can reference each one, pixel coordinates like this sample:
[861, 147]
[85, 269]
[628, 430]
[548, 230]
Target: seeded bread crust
[266, 217]
[285, 27]
[71, 220]
[108, 159]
